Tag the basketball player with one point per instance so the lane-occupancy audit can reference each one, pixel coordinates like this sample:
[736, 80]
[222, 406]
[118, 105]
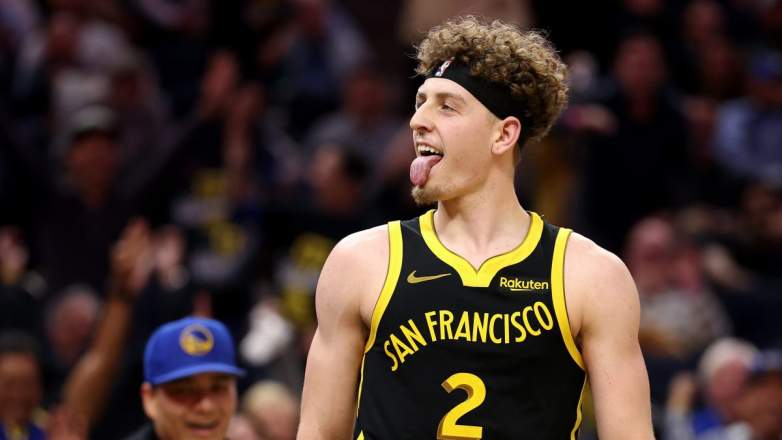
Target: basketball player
[477, 320]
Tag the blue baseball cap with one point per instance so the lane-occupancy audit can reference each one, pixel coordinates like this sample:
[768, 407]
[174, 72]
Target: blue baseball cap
[189, 346]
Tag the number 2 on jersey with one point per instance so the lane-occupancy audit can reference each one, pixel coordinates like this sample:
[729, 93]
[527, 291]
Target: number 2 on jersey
[448, 429]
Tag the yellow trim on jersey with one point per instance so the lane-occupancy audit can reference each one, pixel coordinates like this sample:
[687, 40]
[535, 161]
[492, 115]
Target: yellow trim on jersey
[392, 277]
[360, 436]
[579, 415]
[558, 295]
[389, 285]
[360, 384]
[483, 276]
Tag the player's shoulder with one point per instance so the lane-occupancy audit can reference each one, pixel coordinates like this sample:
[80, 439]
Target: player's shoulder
[590, 255]
[592, 269]
[355, 270]
[364, 237]
[361, 254]
[364, 244]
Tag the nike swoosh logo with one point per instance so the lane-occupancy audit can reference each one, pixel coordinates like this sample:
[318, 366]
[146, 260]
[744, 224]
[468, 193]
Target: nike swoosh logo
[412, 279]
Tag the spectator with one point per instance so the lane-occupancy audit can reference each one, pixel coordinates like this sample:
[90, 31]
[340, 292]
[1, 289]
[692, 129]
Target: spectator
[639, 132]
[364, 120]
[298, 239]
[759, 406]
[189, 384]
[305, 62]
[88, 384]
[762, 403]
[679, 315]
[748, 129]
[240, 428]
[71, 319]
[80, 209]
[142, 115]
[707, 61]
[20, 387]
[272, 409]
[20, 288]
[722, 375]
[177, 38]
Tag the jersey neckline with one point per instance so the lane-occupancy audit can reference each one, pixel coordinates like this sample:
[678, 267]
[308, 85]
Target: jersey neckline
[485, 273]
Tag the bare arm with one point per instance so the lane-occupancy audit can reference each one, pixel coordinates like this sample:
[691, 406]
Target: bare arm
[85, 389]
[349, 283]
[609, 315]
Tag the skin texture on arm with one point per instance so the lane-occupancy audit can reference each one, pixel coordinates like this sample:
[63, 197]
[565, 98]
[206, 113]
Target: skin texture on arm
[349, 285]
[605, 313]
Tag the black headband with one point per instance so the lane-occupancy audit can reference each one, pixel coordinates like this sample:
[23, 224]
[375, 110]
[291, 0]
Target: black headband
[496, 97]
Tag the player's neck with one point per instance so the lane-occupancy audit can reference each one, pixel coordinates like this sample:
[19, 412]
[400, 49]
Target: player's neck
[483, 224]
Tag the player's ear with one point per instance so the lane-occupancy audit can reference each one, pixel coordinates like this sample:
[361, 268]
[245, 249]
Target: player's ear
[507, 135]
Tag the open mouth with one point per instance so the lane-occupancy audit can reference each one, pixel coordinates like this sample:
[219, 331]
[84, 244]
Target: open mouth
[427, 150]
[202, 427]
[427, 157]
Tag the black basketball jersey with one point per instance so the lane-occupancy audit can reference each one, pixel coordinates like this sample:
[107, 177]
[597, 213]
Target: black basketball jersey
[459, 353]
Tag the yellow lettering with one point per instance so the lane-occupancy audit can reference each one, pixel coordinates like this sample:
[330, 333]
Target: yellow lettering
[413, 335]
[503, 282]
[463, 329]
[524, 314]
[494, 339]
[479, 326]
[507, 327]
[430, 323]
[405, 350]
[393, 359]
[522, 333]
[548, 323]
[446, 318]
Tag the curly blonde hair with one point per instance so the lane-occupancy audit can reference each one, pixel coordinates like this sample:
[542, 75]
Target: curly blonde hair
[525, 61]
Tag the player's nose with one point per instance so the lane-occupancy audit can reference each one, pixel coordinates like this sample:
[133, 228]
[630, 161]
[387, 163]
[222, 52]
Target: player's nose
[420, 121]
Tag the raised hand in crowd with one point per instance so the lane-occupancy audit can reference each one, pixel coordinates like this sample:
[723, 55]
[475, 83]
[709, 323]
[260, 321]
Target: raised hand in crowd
[86, 389]
[131, 260]
[64, 425]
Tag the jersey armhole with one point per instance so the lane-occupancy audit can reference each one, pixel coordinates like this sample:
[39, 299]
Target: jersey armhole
[558, 295]
[389, 285]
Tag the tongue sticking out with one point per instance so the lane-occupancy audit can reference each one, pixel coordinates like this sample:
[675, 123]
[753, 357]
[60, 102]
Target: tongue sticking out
[419, 169]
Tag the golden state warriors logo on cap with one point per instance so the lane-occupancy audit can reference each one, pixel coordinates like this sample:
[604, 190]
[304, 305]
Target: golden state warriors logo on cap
[196, 340]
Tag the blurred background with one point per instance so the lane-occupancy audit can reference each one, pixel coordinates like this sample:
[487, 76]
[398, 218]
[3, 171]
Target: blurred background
[253, 134]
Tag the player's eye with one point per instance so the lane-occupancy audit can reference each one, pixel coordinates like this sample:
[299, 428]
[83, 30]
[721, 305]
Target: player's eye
[446, 107]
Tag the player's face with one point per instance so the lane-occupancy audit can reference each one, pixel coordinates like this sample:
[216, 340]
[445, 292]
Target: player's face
[196, 407]
[451, 121]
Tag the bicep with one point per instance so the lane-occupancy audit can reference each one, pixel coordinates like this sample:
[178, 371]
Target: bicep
[332, 374]
[330, 388]
[617, 374]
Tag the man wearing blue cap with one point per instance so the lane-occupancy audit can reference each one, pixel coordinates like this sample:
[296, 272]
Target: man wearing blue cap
[189, 389]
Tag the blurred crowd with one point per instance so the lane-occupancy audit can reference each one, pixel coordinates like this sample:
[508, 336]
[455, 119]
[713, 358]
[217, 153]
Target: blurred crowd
[250, 136]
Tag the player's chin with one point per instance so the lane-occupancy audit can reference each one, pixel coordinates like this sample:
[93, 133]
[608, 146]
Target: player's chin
[423, 196]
